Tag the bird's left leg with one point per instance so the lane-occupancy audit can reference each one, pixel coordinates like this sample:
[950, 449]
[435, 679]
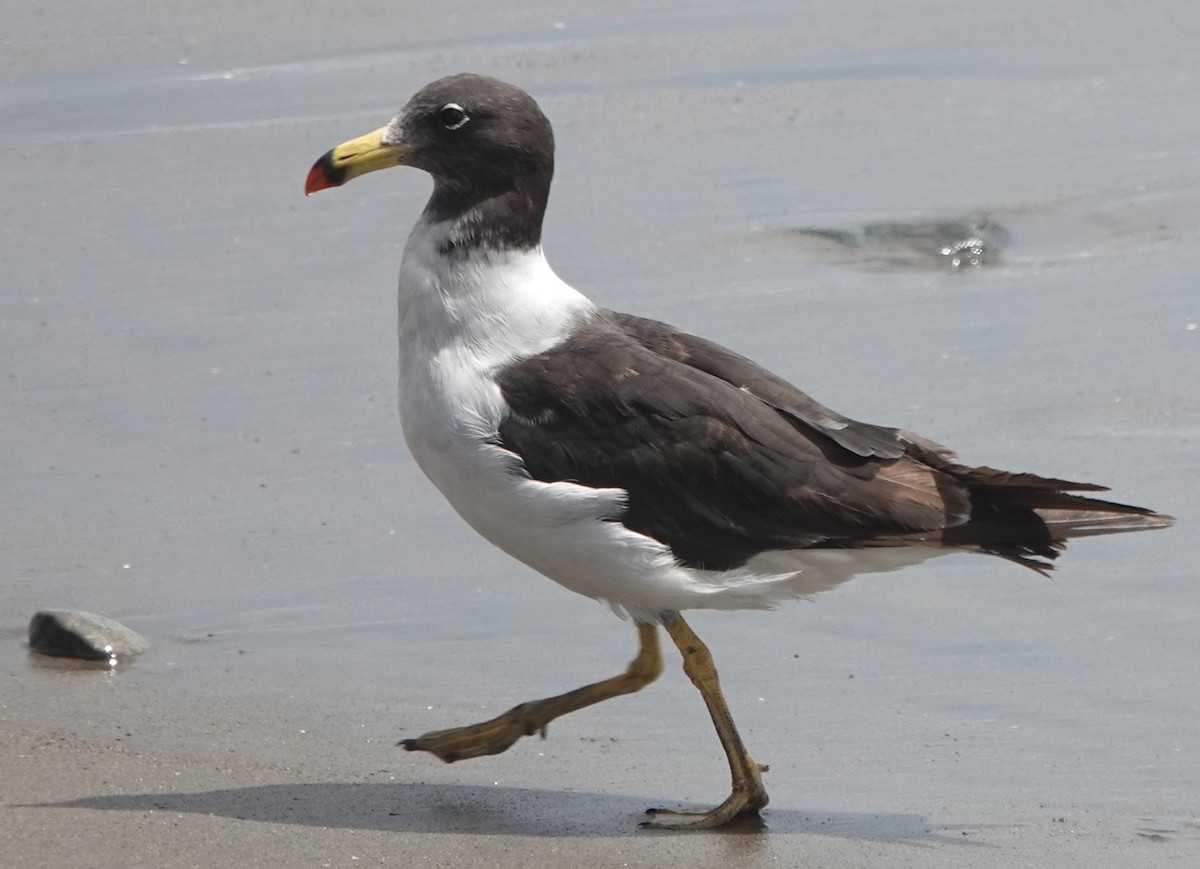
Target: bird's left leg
[748, 794]
[496, 735]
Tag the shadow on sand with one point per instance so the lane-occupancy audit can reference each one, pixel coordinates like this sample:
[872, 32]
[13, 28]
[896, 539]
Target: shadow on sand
[491, 811]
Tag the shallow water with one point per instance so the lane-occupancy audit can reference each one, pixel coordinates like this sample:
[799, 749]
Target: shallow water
[200, 438]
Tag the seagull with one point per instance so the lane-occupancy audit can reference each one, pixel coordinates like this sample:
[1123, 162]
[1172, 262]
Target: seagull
[634, 462]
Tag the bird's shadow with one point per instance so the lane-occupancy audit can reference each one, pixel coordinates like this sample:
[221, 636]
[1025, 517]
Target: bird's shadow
[490, 811]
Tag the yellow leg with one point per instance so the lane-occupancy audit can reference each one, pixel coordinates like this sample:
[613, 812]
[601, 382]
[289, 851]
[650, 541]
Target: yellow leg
[496, 735]
[748, 794]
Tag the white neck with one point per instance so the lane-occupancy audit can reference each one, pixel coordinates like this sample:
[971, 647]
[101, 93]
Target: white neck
[499, 305]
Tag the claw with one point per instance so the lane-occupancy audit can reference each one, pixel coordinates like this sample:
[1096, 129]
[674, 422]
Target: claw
[743, 805]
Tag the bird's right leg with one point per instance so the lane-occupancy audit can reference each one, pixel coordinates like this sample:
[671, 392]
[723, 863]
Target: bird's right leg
[496, 735]
[748, 795]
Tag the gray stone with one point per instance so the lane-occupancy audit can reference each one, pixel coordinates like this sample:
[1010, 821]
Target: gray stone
[75, 634]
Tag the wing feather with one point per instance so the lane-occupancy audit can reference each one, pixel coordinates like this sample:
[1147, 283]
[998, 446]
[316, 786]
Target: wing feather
[722, 460]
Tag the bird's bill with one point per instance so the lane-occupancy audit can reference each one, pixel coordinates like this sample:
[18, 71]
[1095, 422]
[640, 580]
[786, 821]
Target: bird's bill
[351, 159]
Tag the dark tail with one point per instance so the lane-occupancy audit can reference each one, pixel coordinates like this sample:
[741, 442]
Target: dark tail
[1028, 519]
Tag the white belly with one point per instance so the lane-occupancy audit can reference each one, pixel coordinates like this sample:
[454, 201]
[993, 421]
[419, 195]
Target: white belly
[562, 530]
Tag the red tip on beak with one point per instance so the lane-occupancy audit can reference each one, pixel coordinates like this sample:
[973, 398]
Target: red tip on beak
[318, 178]
[351, 159]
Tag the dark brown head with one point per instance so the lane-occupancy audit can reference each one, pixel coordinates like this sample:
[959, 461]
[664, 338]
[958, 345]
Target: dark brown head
[486, 143]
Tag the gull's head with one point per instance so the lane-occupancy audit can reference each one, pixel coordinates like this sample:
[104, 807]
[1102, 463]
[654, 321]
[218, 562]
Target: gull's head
[470, 132]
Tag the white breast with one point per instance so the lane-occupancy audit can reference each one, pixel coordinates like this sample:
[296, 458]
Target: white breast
[461, 320]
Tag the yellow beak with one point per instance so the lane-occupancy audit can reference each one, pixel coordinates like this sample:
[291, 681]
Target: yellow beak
[351, 159]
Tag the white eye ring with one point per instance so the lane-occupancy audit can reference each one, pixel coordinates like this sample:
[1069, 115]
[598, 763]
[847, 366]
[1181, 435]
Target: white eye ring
[453, 116]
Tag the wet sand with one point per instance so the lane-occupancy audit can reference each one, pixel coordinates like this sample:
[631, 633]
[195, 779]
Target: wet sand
[200, 437]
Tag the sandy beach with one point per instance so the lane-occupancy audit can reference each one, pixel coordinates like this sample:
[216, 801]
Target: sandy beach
[200, 438]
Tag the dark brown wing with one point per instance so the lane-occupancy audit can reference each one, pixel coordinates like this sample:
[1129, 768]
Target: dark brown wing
[859, 438]
[722, 460]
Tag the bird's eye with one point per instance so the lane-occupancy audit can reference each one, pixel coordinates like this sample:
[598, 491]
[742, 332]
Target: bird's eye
[452, 117]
